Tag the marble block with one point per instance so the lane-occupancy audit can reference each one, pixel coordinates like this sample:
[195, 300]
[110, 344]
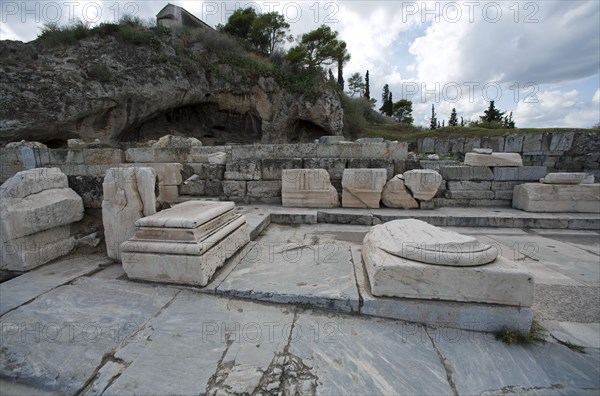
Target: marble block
[185, 244]
[483, 150]
[563, 178]
[420, 241]
[538, 197]
[423, 183]
[169, 178]
[493, 159]
[502, 282]
[308, 188]
[396, 195]
[38, 212]
[31, 251]
[129, 194]
[362, 188]
[190, 215]
[184, 269]
[33, 181]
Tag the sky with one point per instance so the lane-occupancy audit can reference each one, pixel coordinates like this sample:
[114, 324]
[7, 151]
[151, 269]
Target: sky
[537, 59]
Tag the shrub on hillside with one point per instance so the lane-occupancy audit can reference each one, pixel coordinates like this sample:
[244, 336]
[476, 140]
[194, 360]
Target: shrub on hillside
[358, 113]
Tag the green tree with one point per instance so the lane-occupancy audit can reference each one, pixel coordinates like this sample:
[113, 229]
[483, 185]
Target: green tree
[342, 57]
[492, 114]
[367, 88]
[268, 31]
[433, 124]
[508, 122]
[462, 122]
[402, 111]
[385, 97]
[330, 76]
[453, 121]
[239, 23]
[318, 48]
[356, 84]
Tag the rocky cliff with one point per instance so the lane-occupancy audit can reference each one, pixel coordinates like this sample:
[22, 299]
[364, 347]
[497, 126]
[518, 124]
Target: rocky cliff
[115, 89]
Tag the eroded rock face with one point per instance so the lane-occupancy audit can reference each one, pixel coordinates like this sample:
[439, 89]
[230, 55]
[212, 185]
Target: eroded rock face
[129, 195]
[137, 98]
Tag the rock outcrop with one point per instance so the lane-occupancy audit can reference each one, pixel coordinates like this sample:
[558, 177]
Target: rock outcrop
[108, 88]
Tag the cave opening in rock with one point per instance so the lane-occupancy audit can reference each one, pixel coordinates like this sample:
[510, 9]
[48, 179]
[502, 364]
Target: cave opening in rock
[204, 121]
[304, 131]
[56, 143]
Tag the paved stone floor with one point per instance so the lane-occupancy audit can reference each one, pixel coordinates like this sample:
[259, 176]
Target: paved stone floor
[78, 326]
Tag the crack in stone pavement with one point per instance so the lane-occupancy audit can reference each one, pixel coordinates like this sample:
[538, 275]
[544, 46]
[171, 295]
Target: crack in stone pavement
[110, 356]
[287, 373]
[216, 383]
[447, 368]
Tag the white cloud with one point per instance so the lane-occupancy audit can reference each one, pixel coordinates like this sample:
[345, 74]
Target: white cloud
[561, 46]
[596, 98]
[557, 109]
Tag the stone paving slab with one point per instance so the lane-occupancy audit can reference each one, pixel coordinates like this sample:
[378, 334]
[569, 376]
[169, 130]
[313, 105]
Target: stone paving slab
[57, 341]
[192, 343]
[582, 334]
[199, 343]
[357, 356]
[292, 265]
[562, 257]
[114, 271]
[28, 286]
[481, 364]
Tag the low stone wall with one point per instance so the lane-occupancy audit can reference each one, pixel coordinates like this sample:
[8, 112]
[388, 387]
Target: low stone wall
[557, 151]
[482, 186]
[247, 173]
[252, 173]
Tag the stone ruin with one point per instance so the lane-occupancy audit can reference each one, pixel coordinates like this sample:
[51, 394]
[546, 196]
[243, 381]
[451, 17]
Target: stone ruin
[129, 195]
[559, 192]
[185, 244]
[37, 208]
[188, 243]
[411, 259]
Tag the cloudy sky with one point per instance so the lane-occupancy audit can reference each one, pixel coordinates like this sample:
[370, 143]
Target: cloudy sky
[538, 59]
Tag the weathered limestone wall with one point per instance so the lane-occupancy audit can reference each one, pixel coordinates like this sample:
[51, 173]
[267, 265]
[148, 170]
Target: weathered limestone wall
[246, 173]
[252, 173]
[557, 151]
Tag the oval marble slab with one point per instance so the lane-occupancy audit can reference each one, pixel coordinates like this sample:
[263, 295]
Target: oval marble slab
[419, 241]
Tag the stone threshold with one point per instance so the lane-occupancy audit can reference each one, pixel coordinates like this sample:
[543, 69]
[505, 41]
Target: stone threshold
[260, 216]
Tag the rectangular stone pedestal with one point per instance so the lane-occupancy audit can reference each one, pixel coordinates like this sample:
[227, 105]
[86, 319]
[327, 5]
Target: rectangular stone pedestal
[538, 197]
[185, 244]
[502, 282]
